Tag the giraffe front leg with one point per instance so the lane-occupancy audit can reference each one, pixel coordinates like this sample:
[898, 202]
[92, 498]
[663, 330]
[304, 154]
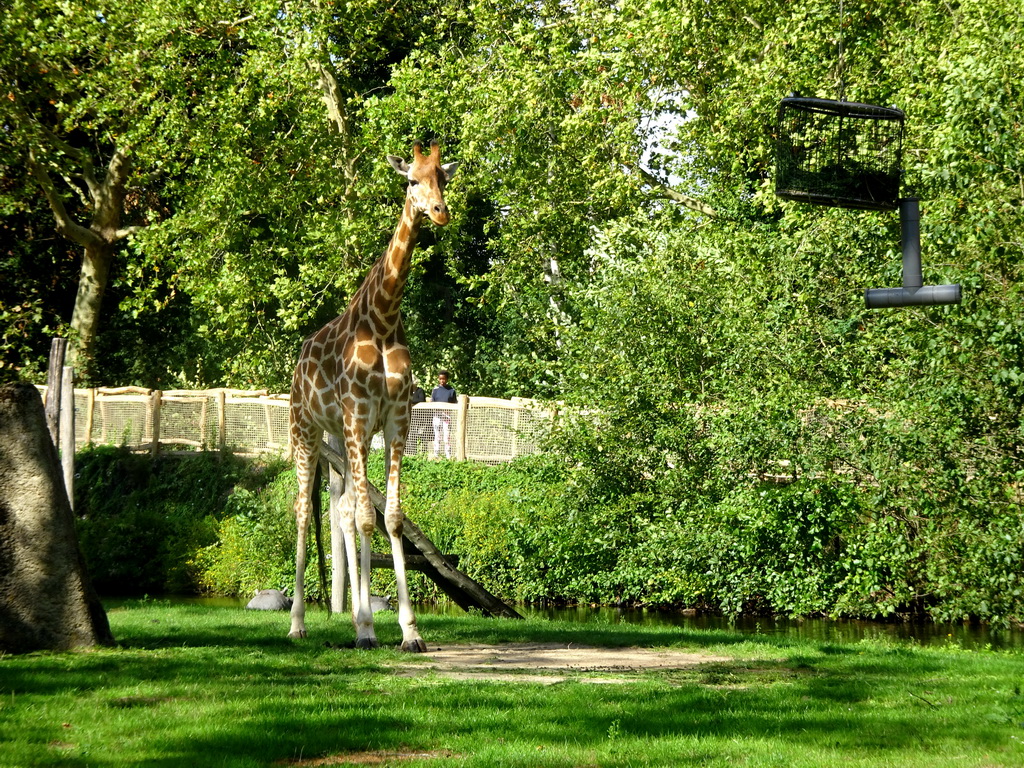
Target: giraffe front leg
[411, 640]
[364, 523]
[393, 519]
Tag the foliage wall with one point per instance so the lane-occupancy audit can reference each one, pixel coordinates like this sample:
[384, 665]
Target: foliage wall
[616, 245]
[541, 531]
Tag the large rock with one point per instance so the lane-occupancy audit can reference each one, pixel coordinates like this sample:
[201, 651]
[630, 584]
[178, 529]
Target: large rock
[270, 600]
[46, 599]
[379, 603]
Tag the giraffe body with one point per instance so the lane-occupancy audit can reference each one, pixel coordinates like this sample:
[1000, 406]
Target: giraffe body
[353, 379]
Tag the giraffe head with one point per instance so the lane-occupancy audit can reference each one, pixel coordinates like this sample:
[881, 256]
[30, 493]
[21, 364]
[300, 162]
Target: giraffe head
[427, 180]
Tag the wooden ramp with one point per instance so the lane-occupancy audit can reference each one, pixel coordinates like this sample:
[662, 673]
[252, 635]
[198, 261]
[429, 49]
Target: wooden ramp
[422, 555]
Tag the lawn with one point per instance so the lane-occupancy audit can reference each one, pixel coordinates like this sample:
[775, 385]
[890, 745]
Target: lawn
[206, 686]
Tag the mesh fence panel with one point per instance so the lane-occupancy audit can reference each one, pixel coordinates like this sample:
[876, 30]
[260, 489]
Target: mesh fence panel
[119, 420]
[186, 421]
[255, 422]
[499, 430]
[421, 431]
[256, 425]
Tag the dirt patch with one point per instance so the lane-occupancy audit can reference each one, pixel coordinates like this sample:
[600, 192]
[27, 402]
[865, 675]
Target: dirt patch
[550, 663]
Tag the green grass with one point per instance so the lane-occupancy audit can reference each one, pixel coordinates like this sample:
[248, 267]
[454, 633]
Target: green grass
[202, 686]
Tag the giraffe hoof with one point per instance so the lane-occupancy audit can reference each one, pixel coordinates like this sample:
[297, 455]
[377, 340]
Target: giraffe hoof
[367, 643]
[414, 646]
[297, 634]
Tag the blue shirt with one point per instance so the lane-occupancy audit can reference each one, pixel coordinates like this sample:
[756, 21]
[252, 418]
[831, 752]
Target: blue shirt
[443, 393]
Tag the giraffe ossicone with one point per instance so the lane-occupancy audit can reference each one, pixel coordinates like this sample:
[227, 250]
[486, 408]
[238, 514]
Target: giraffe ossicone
[353, 379]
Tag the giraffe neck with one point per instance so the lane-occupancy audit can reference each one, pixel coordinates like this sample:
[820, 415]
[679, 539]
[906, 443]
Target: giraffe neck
[392, 269]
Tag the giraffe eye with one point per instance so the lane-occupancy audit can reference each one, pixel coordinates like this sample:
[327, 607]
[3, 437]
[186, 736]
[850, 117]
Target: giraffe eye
[413, 182]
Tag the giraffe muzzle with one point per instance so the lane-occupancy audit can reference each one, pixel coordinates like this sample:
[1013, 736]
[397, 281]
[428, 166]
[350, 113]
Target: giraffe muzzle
[439, 215]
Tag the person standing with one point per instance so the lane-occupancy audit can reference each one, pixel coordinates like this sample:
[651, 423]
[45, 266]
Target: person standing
[443, 393]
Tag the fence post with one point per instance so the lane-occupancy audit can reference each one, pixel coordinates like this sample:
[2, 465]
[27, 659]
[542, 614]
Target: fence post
[67, 432]
[156, 401]
[515, 428]
[90, 411]
[270, 425]
[460, 430]
[204, 412]
[222, 420]
[58, 348]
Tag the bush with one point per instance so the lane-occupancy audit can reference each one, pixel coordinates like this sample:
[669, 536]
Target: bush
[255, 542]
[140, 519]
[496, 519]
[543, 529]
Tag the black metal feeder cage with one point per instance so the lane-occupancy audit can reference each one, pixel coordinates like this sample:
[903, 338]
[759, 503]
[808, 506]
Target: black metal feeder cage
[839, 153]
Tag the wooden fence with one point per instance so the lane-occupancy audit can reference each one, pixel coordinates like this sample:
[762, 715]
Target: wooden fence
[256, 422]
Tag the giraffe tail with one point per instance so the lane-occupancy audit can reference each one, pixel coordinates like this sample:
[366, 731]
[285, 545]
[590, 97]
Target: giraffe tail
[321, 561]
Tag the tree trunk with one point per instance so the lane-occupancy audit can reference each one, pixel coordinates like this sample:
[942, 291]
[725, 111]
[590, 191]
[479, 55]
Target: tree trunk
[92, 284]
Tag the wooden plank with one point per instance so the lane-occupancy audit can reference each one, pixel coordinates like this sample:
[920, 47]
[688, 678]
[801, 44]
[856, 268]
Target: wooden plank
[461, 428]
[466, 593]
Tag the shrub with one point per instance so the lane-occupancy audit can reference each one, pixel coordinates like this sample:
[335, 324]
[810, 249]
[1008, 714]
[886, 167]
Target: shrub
[140, 518]
[255, 542]
[542, 529]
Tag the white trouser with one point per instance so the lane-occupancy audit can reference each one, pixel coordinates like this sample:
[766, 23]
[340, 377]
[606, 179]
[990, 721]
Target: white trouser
[442, 432]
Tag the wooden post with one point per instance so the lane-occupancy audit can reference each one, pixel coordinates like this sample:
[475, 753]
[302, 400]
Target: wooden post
[204, 412]
[90, 410]
[222, 420]
[517, 411]
[460, 429]
[270, 423]
[156, 400]
[67, 432]
[104, 421]
[54, 374]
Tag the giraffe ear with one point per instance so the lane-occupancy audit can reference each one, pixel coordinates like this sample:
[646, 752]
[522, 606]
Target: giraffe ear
[401, 167]
[449, 170]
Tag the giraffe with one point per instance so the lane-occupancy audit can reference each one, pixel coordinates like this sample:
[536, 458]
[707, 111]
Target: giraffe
[352, 380]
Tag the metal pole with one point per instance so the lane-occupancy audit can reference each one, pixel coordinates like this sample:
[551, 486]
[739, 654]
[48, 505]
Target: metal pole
[913, 292]
[910, 241]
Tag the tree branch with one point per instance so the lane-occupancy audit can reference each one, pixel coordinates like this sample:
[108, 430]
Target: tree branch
[332, 98]
[124, 232]
[337, 114]
[85, 161]
[65, 224]
[662, 190]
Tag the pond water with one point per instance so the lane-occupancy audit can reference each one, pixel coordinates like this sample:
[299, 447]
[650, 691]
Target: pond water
[822, 630]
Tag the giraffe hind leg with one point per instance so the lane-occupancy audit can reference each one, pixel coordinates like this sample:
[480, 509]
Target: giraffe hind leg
[339, 556]
[363, 526]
